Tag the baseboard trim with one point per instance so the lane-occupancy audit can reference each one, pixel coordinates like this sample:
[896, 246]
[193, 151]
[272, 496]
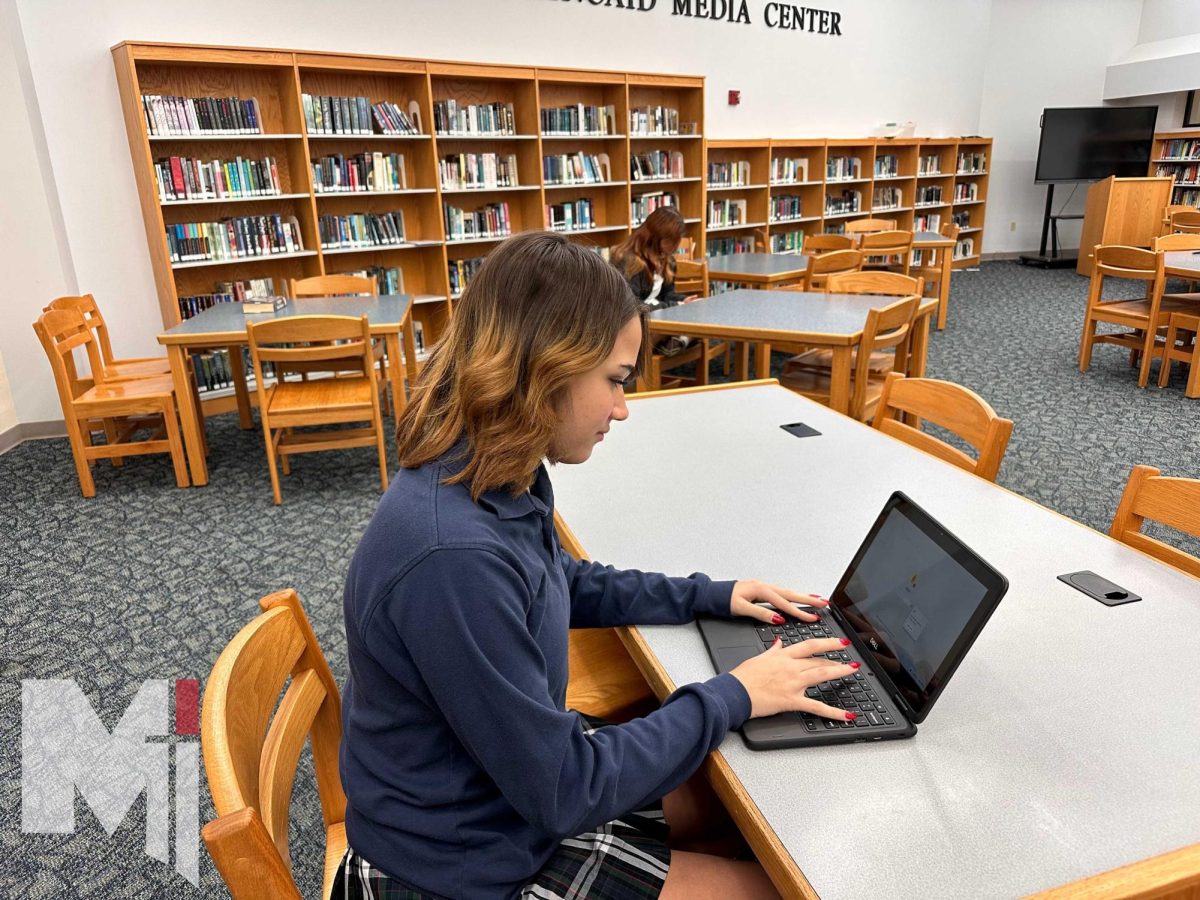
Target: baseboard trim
[31, 431]
[997, 257]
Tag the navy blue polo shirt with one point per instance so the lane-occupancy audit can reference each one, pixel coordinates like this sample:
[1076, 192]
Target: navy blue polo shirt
[462, 768]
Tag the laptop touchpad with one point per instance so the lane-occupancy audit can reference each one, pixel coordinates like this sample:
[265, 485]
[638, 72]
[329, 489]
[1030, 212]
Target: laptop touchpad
[728, 658]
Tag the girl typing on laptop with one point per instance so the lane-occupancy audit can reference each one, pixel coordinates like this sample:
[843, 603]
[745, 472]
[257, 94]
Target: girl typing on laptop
[465, 775]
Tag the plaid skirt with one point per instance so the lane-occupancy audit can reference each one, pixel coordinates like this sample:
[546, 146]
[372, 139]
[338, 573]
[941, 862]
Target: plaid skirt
[625, 859]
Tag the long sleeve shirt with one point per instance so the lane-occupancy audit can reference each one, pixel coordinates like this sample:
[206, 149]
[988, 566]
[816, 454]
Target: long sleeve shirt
[641, 283]
[463, 769]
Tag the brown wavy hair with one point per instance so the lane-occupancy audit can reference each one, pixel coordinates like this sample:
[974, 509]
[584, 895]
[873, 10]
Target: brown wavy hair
[539, 311]
[643, 248]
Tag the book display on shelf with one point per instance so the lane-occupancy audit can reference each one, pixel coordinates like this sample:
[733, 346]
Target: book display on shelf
[492, 220]
[576, 168]
[725, 246]
[657, 165]
[886, 199]
[654, 120]
[201, 115]
[789, 171]
[971, 162]
[843, 168]
[369, 171]
[729, 174]
[233, 238]
[570, 215]
[1177, 155]
[786, 208]
[325, 115]
[461, 271]
[472, 171]
[361, 230]
[486, 119]
[187, 178]
[579, 119]
[726, 213]
[644, 204]
[787, 242]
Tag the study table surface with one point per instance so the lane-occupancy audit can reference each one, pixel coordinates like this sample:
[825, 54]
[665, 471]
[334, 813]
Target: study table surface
[224, 325]
[792, 317]
[1066, 743]
[1183, 263]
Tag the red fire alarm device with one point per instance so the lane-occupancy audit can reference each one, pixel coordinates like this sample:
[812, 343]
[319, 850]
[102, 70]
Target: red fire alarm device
[735, 97]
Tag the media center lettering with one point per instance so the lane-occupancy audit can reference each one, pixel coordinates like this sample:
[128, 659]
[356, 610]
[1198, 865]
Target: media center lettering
[782, 16]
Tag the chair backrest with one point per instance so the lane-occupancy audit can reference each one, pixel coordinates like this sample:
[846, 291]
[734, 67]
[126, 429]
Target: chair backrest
[820, 267]
[85, 305]
[691, 277]
[686, 248]
[1187, 221]
[823, 243]
[886, 243]
[1174, 502]
[1177, 241]
[250, 756]
[1134, 263]
[865, 226]
[332, 286]
[947, 405]
[343, 342]
[887, 327]
[951, 230]
[61, 332]
[875, 283]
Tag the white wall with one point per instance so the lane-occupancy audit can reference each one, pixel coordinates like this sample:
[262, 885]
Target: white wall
[1042, 54]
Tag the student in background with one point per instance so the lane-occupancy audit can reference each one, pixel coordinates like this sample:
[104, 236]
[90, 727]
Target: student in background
[465, 774]
[647, 260]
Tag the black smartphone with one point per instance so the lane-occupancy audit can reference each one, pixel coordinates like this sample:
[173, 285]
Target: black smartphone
[1099, 588]
[799, 429]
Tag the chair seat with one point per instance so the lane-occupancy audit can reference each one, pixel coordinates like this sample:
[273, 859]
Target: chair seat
[1192, 299]
[335, 849]
[137, 368]
[822, 360]
[313, 396]
[155, 387]
[816, 386]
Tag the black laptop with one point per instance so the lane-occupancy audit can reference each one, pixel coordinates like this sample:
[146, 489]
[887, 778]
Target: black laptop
[912, 602]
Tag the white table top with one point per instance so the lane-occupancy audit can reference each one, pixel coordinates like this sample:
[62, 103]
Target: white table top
[1067, 742]
[383, 312]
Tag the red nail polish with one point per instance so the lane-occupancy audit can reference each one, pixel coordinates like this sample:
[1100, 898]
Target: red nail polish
[845, 642]
[776, 619]
[778, 641]
[855, 665]
[850, 717]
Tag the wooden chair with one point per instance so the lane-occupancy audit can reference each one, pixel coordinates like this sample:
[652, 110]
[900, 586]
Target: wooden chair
[930, 270]
[950, 406]
[891, 283]
[123, 407]
[1184, 221]
[887, 249]
[286, 405]
[1170, 210]
[686, 248]
[114, 369]
[1174, 502]
[250, 755]
[1182, 345]
[1176, 241]
[833, 263]
[344, 286]
[887, 327]
[867, 226]
[691, 277]
[823, 243]
[1142, 317]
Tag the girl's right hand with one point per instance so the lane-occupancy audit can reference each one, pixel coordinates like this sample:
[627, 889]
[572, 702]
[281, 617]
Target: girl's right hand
[777, 679]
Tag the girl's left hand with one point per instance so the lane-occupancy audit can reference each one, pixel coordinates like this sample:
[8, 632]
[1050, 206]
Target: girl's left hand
[789, 603]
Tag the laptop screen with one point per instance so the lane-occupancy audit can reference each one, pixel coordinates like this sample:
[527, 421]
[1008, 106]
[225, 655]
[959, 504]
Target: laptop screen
[914, 598]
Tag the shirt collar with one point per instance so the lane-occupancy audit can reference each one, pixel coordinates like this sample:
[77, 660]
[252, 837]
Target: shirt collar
[538, 499]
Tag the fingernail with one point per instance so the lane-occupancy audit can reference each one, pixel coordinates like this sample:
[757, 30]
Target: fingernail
[845, 642]
[855, 665]
[777, 642]
[776, 619]
[850, 717]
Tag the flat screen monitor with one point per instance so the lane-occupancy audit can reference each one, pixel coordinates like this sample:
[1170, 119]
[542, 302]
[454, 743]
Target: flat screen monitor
[1092, 142]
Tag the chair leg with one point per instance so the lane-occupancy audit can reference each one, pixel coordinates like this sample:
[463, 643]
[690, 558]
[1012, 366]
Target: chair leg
[271, 462]
[1164, 371]
[1085, 345]
[1192, 390]
[285, 461]
[175, 442]
[79, 440]
[1147, 356]
[110, 436]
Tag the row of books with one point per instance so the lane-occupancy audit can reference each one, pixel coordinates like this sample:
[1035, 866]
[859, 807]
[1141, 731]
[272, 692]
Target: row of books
[785, 206]
[449, 118]
[1190, 197]
[970, 161]
[928, 194]
[185, 178]
[842, 168]
[729, 174]
[571, 215]
[234, 238]
[388, 279]
[656, 164]
[962, 219]
[491, 220]
[376, 171]
[653, 120]
[927, 222]
[788, 242]
[577, 168]
[786, 169]
[459, 171]
[887, 166]
[327, 114]
[728, 246]
[966, 191]
[462, 271]
[227, 292]
[929, 165]
[214, 370]
[886, 198]
[170, 115]
[645, 204]
[965, 248]
[726, 212]
[1181, 148]
[1181, 174]
[361, 230]
[579, 119]
[846, 202]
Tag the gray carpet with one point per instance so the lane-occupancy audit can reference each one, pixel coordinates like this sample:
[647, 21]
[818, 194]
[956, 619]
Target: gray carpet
[148, 581]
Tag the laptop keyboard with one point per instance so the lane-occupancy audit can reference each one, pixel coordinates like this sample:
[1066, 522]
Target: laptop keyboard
[854, 693]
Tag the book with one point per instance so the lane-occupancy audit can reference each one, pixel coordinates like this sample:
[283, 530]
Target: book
[255, 305]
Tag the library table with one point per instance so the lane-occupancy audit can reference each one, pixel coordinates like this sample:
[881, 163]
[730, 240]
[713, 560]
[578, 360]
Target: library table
[811, 318]
[766, 269]
[224, 325]
[931, 240]
[1183, 263]
[1064, 746]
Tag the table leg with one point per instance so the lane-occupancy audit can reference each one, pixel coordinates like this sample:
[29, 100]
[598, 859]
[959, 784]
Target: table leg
[238, 370]
[919, 347]
[762, 361]
[741, 363]
[189, 415]
[395, 372]
[839, 380]
[947, 259]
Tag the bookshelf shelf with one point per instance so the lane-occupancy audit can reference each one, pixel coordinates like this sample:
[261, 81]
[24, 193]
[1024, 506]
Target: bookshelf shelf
[969, 230]
[894, 177]
[368, 137]
[579, 185]
[777, 184]
[967, 202]
[419, 299]
[597, 229]
[583, 137]
[640, 181]
[665, 137]
[929, 205]
[847, 180]
[486, 137]
[969, 174]
[489, 190]
[929, 175]
[457, 242]
[735, 187]
[795, 220]
[377, 248]
[712, 228]
[240, 260]
[291, 136]
[889, 209]
[261, 198]
[341, 195]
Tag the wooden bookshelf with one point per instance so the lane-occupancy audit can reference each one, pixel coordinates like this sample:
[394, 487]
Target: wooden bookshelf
[737, 187]
[278, 79]
[911, 180]
[1180, 161]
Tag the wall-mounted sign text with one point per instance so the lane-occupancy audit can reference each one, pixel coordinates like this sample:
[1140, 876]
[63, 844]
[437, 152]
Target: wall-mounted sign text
[783, 16]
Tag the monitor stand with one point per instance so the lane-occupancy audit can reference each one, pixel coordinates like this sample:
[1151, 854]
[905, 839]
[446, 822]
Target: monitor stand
[1050, 228]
